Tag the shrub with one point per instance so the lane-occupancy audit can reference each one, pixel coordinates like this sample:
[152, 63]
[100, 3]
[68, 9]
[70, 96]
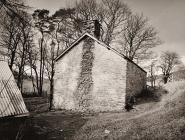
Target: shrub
[150, 95]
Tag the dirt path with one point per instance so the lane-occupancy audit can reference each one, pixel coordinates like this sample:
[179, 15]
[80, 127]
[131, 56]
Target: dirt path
[64, 124]
[56, 125]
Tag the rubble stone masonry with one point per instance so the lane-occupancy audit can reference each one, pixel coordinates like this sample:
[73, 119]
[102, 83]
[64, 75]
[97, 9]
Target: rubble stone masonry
[67, 72]
[109, 76]
[91, 77]
[83, 93]
[136, 79]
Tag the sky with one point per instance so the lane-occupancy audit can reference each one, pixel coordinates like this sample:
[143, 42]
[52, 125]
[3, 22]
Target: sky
[167, 16]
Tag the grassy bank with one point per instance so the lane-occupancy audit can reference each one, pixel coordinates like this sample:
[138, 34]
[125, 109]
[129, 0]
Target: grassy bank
[159, 115]
[155, 120]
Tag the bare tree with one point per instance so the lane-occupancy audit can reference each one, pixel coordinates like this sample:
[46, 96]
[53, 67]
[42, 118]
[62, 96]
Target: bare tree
[33, 59]
[15, 7]
[15, 39]
[26, 41]
[88, 10]
[52, 29]
[10, 38]
[64, 31]
[115, 14]
[152, 72]
[16, 36]
[168, 61]
[112, 14]
[41, 20]
[12, 18]
[51, 53]
[58, 33]
[138, 37]
[12, 5]
[32, 63]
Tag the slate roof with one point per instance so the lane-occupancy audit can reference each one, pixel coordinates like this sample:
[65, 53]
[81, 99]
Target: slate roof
[98, 41]
[11, 100]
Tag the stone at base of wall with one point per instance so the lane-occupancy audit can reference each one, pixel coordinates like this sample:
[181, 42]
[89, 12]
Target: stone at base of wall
[90, 111]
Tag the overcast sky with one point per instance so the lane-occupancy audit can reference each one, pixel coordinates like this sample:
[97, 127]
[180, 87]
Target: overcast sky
[167, 16]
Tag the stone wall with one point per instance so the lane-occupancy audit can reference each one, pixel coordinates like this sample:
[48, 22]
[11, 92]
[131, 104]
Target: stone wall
[67, 72]
[73, 77]
[136, 79]
[83, 93]
[109, 77]
[92, 77]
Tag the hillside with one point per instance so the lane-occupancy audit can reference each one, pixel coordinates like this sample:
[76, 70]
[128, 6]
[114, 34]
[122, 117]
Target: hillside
[160, 120]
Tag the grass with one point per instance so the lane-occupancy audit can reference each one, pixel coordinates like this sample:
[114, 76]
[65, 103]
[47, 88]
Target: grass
[158, 115]
[152, 94]
[153, 120]
[56, 125]
[37, 104]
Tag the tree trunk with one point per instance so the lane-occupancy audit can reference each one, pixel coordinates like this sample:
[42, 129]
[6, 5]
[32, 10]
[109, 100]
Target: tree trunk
[19, 78]
[52, 80]
[37, 79]
[32, 77]
[12, 60]
[41, 67]
[165, 79]
[151, 81]
[51, 94]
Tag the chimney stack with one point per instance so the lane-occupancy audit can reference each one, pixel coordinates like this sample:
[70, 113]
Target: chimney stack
[93, 27]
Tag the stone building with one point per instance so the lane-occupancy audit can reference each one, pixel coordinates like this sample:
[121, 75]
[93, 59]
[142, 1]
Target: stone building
[90, 75]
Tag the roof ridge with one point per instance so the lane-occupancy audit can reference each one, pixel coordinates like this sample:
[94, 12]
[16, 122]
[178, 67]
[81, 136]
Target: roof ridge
[100, 42]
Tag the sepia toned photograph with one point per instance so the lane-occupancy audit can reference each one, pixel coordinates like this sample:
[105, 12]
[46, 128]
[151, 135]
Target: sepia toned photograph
[92, 70]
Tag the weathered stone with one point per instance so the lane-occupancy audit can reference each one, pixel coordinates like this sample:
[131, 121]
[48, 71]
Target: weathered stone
[135, 81]
[109, 76]
[94, 78]
[67, 71]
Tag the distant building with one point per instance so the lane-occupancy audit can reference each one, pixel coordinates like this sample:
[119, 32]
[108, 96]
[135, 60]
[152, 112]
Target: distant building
[90, 75]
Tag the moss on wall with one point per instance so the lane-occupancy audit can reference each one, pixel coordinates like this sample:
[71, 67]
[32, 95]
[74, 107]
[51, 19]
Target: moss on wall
[85, 83]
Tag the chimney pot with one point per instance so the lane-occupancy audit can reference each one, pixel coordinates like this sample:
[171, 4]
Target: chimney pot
[93, 27]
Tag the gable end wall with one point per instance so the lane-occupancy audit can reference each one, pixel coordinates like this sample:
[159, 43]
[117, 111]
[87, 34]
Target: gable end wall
[136, 80]
[96, 77]
[67, 72]
[109, 77]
